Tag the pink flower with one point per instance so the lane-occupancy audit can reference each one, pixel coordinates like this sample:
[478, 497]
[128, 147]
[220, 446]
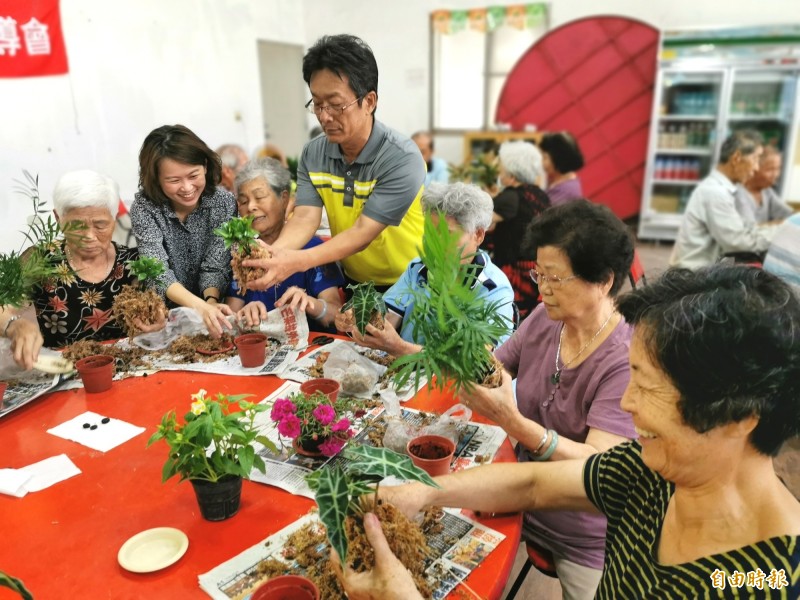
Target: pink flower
[331, 446]
[282, 408]
[324, 413]
[289, 426]
[342, 424]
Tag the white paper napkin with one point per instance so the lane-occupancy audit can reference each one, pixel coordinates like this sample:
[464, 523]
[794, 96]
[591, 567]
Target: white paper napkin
[103, 438]
[38, 476]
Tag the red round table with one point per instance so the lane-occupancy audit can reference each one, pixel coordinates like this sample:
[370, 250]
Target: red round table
[62, 542]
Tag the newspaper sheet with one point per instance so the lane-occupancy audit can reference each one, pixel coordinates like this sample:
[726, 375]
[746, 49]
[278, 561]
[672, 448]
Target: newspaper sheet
[29, 387]
[477, 444]
[457, 550]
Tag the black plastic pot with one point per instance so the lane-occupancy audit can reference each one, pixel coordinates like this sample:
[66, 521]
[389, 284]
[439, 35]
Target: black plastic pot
[218, 500]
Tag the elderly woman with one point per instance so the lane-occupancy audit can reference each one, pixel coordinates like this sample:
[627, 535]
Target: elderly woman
[468, 211]
[570, 358]
[695, 508]
[519, 201]
[174, 215]
[264, 193]
[77, 305]
[561, 158]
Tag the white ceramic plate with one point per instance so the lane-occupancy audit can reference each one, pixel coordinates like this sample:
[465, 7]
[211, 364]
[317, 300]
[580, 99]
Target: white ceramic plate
[153, 549]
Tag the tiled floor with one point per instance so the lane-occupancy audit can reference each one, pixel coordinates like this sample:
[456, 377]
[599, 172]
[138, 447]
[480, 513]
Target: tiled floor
[654, 257]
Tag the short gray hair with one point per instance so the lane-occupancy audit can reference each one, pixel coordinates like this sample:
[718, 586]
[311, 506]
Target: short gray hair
[745, 141]
[468, 204]
[273, 172]
[522, 160]
[85, 189]
[231, 155]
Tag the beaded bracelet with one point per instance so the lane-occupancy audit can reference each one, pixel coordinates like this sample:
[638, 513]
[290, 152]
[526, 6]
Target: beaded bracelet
[9, 322]
[551, 448]
[542, 443]
[324, 310]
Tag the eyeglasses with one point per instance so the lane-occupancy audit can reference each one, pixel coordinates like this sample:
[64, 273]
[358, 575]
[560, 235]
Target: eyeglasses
[332, 109]
[554, 281]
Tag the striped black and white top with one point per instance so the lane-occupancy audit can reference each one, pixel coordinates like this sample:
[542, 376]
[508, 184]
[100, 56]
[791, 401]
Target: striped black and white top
[635, 499]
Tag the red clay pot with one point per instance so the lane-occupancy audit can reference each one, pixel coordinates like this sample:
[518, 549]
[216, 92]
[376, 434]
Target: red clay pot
[432, 453]
[96, 372]
[329, 387]
[252, 349]
[287, 587]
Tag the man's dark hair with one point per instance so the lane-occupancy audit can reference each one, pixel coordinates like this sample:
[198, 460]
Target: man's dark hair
[728, 337]
[345, 55]
[745, 141]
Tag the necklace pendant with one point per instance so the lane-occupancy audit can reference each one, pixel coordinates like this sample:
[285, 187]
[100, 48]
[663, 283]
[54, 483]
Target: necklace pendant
[555, 378]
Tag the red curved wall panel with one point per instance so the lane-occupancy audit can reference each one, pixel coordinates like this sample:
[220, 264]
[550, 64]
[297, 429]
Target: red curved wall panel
[593, 77]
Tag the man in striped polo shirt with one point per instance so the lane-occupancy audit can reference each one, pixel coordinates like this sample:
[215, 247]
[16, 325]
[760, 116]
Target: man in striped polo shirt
[368, 177]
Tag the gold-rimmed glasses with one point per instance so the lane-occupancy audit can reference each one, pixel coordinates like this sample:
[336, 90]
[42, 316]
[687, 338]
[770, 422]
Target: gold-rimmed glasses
[333, 110]
[554, 281]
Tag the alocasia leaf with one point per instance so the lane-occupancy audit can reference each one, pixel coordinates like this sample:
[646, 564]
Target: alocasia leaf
[330, 485]
[382, 462]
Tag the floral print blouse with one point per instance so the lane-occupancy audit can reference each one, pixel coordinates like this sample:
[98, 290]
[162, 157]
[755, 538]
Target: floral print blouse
[70, 309]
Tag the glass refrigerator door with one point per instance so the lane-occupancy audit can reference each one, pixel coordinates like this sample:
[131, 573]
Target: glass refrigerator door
[764, 100]
[682, 144]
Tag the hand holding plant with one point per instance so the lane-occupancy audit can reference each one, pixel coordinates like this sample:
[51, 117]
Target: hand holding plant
[213, 441]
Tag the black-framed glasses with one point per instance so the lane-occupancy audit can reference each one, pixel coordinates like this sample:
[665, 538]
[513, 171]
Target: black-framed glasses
[554, 281]
[332, 109]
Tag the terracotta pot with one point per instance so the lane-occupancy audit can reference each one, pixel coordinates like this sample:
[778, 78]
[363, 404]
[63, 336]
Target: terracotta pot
[218, 500]
[252, 349]
[96, 372]
[432, 453]
[329, 387]
[287, 587]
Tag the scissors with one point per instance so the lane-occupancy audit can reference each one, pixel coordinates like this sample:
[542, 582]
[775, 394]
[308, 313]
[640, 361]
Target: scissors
[322, 340]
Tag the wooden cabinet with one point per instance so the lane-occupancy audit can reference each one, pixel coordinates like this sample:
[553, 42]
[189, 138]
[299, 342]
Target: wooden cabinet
[480, 142]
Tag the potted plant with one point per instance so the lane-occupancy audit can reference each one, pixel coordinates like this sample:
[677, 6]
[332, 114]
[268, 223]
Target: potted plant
[367, 306]
[22, 272]
[140, 301]
[240, 237]
[458, 326]
[213, 448]
[345, 495]
[315, 423]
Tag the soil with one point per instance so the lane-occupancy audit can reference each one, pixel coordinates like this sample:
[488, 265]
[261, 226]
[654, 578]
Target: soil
[376, 320]
[310, 548]
[429, 450]
[128, 358]
[132, 303]
[244, 275]
[184, 349]
[495, 377]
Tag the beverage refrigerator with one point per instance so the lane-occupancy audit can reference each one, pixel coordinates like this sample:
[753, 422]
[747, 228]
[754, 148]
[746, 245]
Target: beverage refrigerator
[710, 83]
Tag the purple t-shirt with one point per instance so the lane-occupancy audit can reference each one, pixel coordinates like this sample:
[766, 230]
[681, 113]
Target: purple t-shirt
[566, 191]
[588, 397]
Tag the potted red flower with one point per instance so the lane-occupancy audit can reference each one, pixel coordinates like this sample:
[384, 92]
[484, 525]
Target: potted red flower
[316, 425]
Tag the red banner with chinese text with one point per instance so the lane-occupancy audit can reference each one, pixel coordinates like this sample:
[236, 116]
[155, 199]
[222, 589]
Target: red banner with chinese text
[31, 39]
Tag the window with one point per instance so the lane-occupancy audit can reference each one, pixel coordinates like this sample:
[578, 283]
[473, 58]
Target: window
[473, 53]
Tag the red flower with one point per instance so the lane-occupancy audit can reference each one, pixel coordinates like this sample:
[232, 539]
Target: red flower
[98, 319]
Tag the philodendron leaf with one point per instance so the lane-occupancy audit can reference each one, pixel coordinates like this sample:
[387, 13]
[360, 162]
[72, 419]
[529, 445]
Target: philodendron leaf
[330, 491]
[382, 462]
[16, 585]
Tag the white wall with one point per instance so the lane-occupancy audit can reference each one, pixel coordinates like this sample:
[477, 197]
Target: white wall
[138, 65]
[135, 66]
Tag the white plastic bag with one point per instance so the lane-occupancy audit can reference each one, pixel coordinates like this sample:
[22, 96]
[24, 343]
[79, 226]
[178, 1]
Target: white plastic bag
[399, 432]
[357, 374]
[180, 321]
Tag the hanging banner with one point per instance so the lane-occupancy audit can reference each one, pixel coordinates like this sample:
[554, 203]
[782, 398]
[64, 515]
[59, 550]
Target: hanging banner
[31, 39]
[519, 16]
